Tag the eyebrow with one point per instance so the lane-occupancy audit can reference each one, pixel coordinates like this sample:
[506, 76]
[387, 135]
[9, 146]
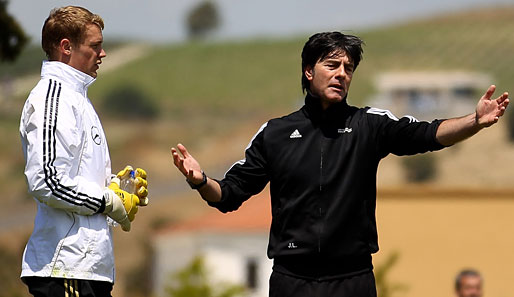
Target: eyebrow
[94, 42]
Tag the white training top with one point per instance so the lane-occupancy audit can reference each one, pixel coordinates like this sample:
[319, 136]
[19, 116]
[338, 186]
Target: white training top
[67, 169]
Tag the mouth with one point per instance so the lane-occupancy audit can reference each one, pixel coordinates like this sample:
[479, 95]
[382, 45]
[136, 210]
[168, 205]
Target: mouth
[338, 88]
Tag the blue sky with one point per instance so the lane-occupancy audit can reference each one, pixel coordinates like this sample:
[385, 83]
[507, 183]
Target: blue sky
[163, 20]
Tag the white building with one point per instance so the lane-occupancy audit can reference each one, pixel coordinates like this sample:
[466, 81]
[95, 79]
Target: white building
[233, 246]
[428, 95]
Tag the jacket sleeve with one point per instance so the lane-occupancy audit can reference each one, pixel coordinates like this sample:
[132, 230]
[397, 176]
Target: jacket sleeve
[404, 136]
[52, 145]
[246, 177]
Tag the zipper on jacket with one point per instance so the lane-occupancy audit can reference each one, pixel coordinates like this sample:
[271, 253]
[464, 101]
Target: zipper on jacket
[320, 195]
[321, 169]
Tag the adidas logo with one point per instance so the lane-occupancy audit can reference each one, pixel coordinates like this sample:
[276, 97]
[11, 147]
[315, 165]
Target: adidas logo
[295, 134]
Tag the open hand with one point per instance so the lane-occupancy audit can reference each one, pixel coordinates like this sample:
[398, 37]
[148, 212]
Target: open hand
[490, 110]
[189, 167]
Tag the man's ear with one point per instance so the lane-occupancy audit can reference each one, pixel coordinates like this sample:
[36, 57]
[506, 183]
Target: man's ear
[308, 72]
[65, 47]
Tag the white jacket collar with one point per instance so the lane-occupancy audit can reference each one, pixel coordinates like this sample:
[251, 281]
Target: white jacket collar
[77, 79]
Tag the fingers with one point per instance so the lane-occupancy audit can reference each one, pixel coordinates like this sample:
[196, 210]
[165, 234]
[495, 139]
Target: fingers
[142, 193]
[143, 201]
[503, 102]
[140, 173]
[489, 93]
[503, 99]
[125, 172]
[140, 182]
[183, 150]
[178, 161]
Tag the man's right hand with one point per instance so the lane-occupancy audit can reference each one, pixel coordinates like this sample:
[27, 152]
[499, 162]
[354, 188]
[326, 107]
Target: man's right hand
[120, 205]
[189, 167]
[209, 189]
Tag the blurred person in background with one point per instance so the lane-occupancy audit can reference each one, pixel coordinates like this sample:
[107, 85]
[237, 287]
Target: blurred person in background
[468, 283]
[68, 167]
[321, 162]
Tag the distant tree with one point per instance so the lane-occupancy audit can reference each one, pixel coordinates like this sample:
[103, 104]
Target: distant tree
[12, 36]
[203, 19]
[128, 100]
[193, 281]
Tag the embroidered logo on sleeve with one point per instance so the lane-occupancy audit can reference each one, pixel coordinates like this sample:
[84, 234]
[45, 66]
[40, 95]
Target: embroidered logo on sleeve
[295, 134]
[345, 130]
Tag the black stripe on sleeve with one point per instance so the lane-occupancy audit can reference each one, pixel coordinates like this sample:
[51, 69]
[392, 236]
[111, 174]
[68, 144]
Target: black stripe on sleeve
[49, 154]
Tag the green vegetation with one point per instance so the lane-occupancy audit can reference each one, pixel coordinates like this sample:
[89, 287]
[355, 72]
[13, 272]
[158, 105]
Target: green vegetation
[235, 79]
[244, 78]
[193, 281]
[30, 59]
[477, 41]
[207, 89]
[386, 287]
[28, 62]
[12, 37]
[203, 19]
[127, 101]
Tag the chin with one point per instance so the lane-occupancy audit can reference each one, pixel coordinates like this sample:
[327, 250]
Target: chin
[335, 99]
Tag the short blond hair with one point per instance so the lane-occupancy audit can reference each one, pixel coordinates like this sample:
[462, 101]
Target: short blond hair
[67, 22]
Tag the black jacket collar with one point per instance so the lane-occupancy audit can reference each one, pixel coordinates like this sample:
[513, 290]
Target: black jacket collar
[332, 114]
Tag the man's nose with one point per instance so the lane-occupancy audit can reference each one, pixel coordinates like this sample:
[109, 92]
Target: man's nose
[341, 72]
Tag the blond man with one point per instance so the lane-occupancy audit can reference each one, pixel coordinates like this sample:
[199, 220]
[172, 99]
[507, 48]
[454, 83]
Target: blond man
[68, 167]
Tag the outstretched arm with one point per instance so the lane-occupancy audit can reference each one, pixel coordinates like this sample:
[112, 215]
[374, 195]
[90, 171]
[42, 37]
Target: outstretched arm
[487, 113]
[191, 169]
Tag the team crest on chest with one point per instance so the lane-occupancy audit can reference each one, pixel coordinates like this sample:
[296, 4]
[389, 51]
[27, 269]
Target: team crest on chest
[95, 135]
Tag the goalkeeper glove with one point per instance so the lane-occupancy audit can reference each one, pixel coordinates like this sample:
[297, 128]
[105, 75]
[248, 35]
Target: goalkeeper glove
[120, 205]
[141, 184]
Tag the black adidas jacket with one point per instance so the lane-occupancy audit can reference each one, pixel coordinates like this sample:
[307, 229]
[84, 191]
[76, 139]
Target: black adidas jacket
[322, 168]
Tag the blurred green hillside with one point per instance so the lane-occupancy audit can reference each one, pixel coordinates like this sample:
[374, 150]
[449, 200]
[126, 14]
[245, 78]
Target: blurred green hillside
[205, 90]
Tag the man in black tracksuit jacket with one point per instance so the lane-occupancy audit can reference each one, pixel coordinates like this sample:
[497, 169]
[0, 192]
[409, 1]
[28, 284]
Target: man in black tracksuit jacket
[321, 162]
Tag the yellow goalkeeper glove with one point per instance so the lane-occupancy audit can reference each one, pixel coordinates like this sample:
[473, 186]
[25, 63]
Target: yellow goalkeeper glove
[140, 183]
[120, 205]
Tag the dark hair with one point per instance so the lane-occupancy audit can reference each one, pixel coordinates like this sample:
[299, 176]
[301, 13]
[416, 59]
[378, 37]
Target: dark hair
[465, 273]
[322, 45]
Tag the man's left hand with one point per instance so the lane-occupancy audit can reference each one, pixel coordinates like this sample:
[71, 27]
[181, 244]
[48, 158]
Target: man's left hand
[490, 110]
[140, 181]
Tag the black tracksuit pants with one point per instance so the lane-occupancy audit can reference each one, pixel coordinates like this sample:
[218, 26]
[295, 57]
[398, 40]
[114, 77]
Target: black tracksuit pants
[362, 285]
[61, 287]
